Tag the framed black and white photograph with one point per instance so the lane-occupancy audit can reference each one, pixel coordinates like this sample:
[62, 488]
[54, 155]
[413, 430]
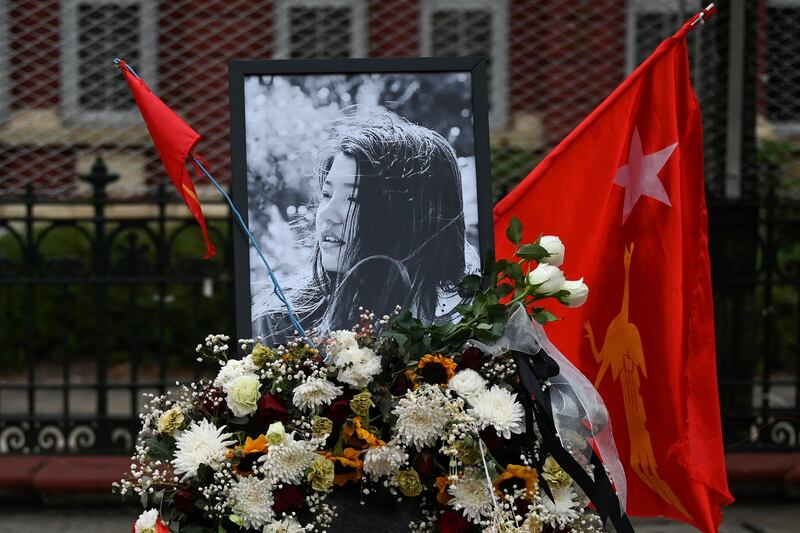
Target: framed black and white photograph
[366, 183]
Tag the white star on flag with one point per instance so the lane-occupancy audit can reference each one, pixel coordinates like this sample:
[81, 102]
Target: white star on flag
[640, 176]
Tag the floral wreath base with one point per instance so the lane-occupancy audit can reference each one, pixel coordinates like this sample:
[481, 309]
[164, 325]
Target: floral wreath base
[394, 425]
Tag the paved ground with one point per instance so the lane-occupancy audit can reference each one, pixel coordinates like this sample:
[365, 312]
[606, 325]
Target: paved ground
[741, 518]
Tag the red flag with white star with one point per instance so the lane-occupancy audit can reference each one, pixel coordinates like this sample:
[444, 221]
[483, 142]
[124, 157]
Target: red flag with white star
[174, 141]
[625, 193]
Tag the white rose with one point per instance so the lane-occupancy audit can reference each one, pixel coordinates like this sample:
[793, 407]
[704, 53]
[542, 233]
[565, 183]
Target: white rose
[546, 279]
[342, 340]
[467, 384]
[146, 523]
[287, 525]
[243, 394]
[554, 247]
[276, 433]
[578, 293]
[357, 366]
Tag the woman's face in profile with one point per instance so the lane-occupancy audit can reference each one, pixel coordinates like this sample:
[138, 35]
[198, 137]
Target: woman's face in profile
[333, 229]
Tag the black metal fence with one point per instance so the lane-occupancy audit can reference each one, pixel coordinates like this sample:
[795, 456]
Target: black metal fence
[101, 305]
[99, 300]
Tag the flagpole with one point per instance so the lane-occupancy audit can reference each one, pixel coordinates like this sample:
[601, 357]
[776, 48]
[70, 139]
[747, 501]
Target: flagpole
[276, 287]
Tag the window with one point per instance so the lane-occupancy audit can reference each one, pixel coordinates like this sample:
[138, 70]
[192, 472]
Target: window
[320, 28]
[93, 33]
[471, 27]
[651, 21]
[783, 64]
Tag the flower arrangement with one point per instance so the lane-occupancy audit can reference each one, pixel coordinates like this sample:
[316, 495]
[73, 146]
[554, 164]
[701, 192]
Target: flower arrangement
[422, 412]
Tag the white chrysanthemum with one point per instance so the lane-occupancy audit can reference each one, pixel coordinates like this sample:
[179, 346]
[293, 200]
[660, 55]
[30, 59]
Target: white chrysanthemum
[146, 523]
[421, 416]
[341, 340]
[232, 370]
[384, 460]
[499, 408]
[201, 443]
[471, 495]
[357, 366]
[251, 500]
[286, 461]
[315, 393]
[287, 525]
[467, 384]
[562, 510]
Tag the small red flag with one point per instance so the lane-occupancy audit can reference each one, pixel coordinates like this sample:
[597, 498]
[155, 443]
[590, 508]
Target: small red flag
[174, 140]
[625, 193]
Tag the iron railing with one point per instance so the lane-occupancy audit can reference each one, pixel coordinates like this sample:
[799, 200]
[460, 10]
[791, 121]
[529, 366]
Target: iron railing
[100, 307]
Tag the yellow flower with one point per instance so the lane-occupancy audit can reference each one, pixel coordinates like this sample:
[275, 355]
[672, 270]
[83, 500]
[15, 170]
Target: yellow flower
[467, 451]
[436, 369]
[408, 481]
[321, 474]
[170, 421]
[513, 477]
[554, 474]
[361, 403]
[321, 426]
[261, 354]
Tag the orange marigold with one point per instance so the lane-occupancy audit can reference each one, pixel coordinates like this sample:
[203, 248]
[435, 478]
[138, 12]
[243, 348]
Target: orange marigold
[347, 466]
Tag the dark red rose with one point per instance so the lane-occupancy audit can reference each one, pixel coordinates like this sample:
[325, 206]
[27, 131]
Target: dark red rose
[401, 385]
[339, 410]
[270, 410]
[184, 501]
[453, 522]
[471, 358]
[424, 465]
[288, 498]
[491, 439]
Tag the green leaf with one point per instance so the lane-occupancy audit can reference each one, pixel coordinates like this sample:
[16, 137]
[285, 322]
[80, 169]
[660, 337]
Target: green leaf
[503, 290]
[514, 271]
[484, 326]
[543, 317]
[160, 448]
[532, 252]
[399, 338]
[236, 519]
[471, 283]
[514, 231]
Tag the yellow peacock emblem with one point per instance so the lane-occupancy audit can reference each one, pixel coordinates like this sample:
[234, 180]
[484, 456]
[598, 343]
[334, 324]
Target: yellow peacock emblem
[622, 351]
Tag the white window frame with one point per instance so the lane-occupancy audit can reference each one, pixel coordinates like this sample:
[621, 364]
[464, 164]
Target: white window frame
[634, 8]
[785, 127]
[5, 64]
[70, 83]
[498, 90]
[358, 21]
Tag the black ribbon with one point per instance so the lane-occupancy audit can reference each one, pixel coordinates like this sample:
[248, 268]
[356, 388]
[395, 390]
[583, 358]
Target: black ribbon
[533, 371]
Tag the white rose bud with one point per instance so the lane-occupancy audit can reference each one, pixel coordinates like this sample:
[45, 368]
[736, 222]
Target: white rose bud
[276, 433]
[578, 292]
[554, 247]
[546, 279]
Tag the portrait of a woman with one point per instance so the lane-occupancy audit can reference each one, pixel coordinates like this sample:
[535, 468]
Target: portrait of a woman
[384, 227]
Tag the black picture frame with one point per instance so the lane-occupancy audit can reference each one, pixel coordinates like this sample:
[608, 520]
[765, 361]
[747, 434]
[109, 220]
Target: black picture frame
[240, 69]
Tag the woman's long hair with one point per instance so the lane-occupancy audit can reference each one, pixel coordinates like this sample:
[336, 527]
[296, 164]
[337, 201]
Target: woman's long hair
[407, 224]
